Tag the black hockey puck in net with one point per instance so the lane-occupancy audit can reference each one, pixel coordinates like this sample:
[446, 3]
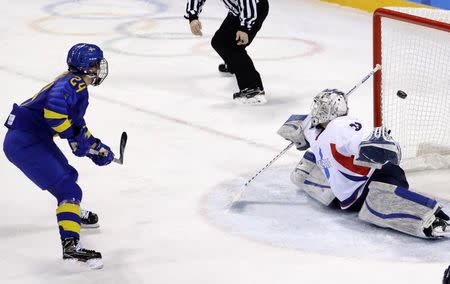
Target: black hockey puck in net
[401, 94]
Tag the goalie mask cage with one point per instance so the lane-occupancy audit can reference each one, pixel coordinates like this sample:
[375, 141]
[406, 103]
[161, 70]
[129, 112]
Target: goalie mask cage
[413, 47]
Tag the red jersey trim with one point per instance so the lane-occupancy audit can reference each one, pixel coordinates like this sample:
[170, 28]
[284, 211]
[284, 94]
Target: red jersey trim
[347, 162]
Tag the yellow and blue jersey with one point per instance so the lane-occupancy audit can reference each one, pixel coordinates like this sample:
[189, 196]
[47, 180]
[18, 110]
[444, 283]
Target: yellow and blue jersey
[57, 109]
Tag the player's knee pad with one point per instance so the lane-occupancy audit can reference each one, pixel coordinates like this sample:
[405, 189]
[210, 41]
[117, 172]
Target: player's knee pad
[308, 176]
[67, 189]
[398, 208]
[69, 220]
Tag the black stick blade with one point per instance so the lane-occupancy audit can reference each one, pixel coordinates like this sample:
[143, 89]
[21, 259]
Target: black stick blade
[123, 143]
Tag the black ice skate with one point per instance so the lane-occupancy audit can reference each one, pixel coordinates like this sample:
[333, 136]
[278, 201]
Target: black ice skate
[72, 250]
[254, 96]
[225, 69]
[440, 228]
[89, 219]
[446, 279]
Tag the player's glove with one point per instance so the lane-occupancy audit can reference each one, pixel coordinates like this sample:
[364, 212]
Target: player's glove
[292, 130]
[379, 149]
[81, 142]
[100, 154]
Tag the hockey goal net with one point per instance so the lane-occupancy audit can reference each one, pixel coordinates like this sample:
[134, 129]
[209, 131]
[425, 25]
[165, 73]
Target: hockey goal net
[413, 47]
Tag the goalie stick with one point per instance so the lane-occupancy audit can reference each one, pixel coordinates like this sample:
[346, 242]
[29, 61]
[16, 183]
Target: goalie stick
[123, 143]
[237, 197]
[374, 70]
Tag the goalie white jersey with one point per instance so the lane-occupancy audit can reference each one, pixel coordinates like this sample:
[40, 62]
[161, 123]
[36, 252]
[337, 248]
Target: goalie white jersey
[334, 149]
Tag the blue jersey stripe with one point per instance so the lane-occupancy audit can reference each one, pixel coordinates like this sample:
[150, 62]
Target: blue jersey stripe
[354, 178]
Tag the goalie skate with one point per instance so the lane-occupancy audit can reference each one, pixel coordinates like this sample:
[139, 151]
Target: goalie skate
[440, 228]
[89, 219]
[73, 251]
[250, 96]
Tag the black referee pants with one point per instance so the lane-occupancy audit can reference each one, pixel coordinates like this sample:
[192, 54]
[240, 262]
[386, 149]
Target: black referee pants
[235, 56]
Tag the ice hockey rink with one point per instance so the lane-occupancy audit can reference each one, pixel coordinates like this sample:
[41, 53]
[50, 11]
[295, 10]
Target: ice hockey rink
[163, 214]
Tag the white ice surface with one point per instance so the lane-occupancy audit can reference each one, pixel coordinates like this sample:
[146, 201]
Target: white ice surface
[161, 213]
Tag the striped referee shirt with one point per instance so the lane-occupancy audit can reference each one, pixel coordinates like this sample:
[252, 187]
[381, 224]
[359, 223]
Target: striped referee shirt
[244, 9]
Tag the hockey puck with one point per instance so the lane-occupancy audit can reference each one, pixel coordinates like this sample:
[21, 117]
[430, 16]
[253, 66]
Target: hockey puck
[401, 94]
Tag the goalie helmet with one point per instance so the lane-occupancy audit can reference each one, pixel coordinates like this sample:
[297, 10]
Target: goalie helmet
[87, 59]
[327, 105]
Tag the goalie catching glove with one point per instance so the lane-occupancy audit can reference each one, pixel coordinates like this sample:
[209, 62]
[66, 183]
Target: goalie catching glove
[378, 149]
[292, 130]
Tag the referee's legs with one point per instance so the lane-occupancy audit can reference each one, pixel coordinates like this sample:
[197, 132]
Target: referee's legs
[246, 74]
[224, 40]
[235, 56]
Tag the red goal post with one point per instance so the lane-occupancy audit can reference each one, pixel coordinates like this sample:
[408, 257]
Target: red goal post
[413, 47]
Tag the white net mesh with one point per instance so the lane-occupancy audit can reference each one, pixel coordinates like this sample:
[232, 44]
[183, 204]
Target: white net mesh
[416, 60]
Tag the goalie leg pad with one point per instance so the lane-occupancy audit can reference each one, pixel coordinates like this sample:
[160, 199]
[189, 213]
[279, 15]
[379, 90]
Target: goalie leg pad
[398, 208]
[308, 176]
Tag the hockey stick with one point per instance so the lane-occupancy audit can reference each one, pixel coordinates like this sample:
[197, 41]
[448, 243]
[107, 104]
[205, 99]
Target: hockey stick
[123, 143]
[377, 67]
[238, 195]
